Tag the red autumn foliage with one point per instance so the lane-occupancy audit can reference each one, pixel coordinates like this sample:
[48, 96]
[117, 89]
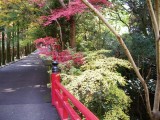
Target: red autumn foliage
[64, 56]
[44, 51]
[105, 2]
[49, 42]
[77, 59]
[49, 46]
[73, 8]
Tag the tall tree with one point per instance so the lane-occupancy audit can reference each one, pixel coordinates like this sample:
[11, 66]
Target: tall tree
[1, 30]
[69, 11]
[0, 51]
[155, 15]
[3, 49]
[18, 40]
[13, 42]
[72, 32]
[8, 46]
[22, 12]
[72, 27]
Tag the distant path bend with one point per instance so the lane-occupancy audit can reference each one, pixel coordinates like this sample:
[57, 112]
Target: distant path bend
[23, 91]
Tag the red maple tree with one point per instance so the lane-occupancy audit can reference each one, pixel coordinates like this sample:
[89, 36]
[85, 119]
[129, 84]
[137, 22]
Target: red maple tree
[49, 46]
[74, 7]
[47, 42]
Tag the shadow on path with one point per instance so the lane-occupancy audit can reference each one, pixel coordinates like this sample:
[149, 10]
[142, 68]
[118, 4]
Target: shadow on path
[23, 91]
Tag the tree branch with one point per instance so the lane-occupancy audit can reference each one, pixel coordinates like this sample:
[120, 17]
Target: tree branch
[122, 20]
[155, 23]
[62, 3]
[153, 18]
[60, 30]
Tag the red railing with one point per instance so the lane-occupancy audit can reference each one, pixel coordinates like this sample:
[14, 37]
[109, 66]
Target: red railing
[64, 101]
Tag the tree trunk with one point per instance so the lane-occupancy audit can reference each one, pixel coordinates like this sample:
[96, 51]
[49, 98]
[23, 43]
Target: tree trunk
[18, 55]
[8, 47]
[29, 48]
[72, 32]
[0, 51]
[72, 27]
[13, 39]
[32, 47]
[156, 112]
[62, 3]
[61, 36]
[157, 12]
[3, 49]
[24, 51]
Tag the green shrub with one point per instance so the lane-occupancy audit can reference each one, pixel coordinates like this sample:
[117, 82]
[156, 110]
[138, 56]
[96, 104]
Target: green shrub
[97, 87]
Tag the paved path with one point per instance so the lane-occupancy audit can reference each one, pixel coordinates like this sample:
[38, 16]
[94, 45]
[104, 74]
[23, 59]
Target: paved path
[23, 91]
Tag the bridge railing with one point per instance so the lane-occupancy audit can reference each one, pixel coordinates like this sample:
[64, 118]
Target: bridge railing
[64, 101]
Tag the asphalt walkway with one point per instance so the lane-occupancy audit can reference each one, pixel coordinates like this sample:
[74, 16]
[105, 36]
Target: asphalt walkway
[23, 91]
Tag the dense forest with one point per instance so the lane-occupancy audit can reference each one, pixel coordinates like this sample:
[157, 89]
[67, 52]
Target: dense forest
[106, 50]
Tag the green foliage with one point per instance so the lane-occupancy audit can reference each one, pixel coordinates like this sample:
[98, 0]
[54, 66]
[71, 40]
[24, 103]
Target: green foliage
[97, 87]
[92, 34]
[116, 115]
[17, 11]
[97, 60]
[142, 46]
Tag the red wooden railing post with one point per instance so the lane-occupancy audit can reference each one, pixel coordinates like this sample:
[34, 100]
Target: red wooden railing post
[64, 101]
[54, 77]
[55, 100]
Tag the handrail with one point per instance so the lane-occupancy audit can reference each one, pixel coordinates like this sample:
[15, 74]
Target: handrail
[64, 101]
